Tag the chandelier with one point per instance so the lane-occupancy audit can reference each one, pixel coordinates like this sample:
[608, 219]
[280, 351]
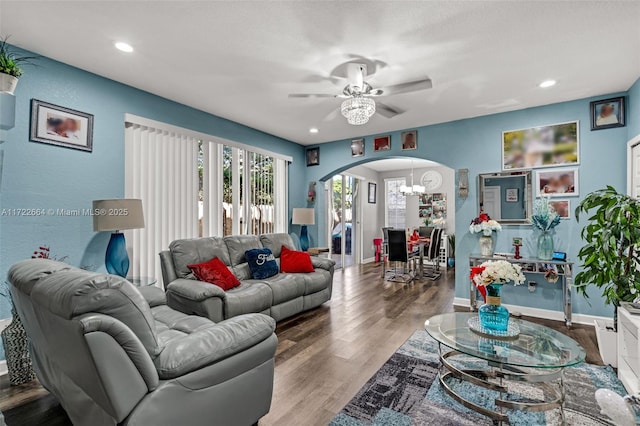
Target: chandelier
[413, 189]
[358, 109]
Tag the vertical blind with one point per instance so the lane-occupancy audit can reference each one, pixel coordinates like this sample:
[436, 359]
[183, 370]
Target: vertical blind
[161, 169]
[193, 185]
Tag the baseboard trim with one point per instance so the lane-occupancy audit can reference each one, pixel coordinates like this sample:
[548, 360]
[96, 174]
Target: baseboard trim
[368, 260]
[543, 313]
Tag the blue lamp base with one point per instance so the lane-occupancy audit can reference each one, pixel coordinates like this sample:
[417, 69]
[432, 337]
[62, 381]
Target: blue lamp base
[304, 238]
[117, 259]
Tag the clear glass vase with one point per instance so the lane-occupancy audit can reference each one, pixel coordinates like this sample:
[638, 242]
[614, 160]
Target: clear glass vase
[486, 245]
[545, 246]
[494, 316]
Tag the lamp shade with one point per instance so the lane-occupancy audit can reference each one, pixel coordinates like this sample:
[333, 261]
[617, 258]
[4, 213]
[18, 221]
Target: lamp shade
[303, 217]
[117, 214]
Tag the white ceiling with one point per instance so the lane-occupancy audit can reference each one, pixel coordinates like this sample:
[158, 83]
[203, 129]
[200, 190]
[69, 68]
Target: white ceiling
[393, 164]
[240, 59]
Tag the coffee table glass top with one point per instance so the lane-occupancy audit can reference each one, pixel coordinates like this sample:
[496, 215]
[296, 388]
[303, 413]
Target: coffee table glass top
[536, 346]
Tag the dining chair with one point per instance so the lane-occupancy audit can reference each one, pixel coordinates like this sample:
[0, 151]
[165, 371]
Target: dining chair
[432, 257]
[398, 253]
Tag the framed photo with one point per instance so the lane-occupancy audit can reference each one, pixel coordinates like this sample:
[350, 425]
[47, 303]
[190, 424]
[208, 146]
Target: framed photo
[544, 146]
[313, 156]
[516, 241]
[357, 147]
[562, 207]
[409, 140]
[372, 193]
[557, 182]
[382, 143]
[607, 113]
[56, 125]
[511, 195]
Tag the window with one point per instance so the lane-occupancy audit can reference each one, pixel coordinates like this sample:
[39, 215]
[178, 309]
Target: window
[396, 203]
[194, 185]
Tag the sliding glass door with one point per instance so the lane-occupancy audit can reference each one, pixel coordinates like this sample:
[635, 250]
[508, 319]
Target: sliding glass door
[341, 220]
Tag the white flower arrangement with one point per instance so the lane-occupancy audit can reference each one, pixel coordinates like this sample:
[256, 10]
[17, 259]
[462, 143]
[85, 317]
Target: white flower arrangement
[498, 271]
[486, 227]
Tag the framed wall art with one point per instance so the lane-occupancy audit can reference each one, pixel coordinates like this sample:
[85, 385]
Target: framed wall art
[60, 126]
[544, 146]
[557, 182]
[313, 156]
[607, 113]
[372, 193]
[357, 147]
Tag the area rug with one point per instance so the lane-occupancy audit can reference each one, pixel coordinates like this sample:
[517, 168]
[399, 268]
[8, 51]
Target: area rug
[406, 391]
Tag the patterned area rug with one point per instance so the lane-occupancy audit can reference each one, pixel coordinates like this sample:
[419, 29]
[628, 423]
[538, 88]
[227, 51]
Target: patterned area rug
[406, 391]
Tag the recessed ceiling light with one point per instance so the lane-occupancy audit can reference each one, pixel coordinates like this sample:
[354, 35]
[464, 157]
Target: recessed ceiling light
[313, 130]
[547, 83]
[124, 47]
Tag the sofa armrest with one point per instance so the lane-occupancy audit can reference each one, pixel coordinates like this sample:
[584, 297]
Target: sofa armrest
[323, 263]
[206, 346]
[195, 290]
[153, 295]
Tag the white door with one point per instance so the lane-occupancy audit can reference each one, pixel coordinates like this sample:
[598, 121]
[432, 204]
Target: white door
[491, 202]
[635, 171]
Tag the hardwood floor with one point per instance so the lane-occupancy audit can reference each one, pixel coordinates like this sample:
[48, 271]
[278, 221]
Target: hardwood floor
[324, 356]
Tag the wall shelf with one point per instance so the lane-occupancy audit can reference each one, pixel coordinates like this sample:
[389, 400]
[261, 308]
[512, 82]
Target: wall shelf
[7, 111]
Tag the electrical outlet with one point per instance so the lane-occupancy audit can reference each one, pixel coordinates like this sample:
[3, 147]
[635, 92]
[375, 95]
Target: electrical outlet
[532, 286]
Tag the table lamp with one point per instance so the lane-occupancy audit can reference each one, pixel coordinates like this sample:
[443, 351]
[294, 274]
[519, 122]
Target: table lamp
[303, 217]
[116, 215]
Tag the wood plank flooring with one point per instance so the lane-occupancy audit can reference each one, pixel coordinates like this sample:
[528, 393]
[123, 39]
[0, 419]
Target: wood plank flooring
[324, 356]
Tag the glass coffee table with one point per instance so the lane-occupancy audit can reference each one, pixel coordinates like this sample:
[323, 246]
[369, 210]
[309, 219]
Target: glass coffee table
[536, 357]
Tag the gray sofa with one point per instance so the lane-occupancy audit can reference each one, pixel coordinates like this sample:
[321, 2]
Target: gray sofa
[112, 353]
[280, 296]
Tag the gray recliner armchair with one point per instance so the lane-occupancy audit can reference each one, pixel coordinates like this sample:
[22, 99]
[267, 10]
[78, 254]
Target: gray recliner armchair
[113, 353]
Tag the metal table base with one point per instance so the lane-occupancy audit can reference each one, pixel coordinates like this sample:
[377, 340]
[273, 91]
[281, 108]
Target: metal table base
[500, 372]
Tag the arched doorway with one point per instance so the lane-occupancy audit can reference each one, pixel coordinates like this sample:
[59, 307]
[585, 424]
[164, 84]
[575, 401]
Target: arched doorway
[360, 200]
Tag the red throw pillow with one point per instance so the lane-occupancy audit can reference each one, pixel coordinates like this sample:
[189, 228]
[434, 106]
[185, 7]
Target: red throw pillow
[215, 272]
[295, 261]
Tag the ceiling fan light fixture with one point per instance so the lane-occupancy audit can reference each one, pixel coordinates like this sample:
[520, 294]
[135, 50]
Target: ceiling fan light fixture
[358, 109]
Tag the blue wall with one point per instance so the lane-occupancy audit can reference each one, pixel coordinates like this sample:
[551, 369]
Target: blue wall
[476, 144]
[633, 110]
[44, 176]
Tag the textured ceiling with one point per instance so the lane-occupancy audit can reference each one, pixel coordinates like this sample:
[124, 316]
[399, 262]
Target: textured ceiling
[239, 60]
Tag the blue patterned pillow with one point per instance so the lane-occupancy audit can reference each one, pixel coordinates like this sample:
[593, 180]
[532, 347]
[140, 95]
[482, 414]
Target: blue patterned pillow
[262, 263]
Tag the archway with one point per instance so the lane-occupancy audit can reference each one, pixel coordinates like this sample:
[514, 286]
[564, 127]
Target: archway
[366, 217]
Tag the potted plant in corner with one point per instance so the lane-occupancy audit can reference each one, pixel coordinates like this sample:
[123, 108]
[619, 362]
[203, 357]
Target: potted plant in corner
[451, 260]
[610, 256]
[10, 69]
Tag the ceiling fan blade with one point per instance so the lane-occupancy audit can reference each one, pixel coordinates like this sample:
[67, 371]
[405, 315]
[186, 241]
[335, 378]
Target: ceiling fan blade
[411, 86]
[332, 115]
[355, 74]
[387, 111]
[312, 95]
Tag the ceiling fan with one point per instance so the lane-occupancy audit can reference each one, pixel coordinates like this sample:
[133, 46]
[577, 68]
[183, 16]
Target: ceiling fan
[358, 106]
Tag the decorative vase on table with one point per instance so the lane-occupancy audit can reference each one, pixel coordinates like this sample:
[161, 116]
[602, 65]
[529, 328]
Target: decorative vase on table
[484, 225]
[16, 349]
[486, 245]
[494, 316]
[545, 246]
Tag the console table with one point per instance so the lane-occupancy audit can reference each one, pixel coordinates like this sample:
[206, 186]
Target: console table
[564, 270]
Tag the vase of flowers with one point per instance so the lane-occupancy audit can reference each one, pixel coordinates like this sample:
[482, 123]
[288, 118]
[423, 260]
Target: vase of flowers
[545, 219]
[489, 278]
[486, 226]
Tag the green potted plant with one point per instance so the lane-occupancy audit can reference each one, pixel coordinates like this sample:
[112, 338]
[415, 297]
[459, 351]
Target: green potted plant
[451, 259]
[10, 67]
[610, 257]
